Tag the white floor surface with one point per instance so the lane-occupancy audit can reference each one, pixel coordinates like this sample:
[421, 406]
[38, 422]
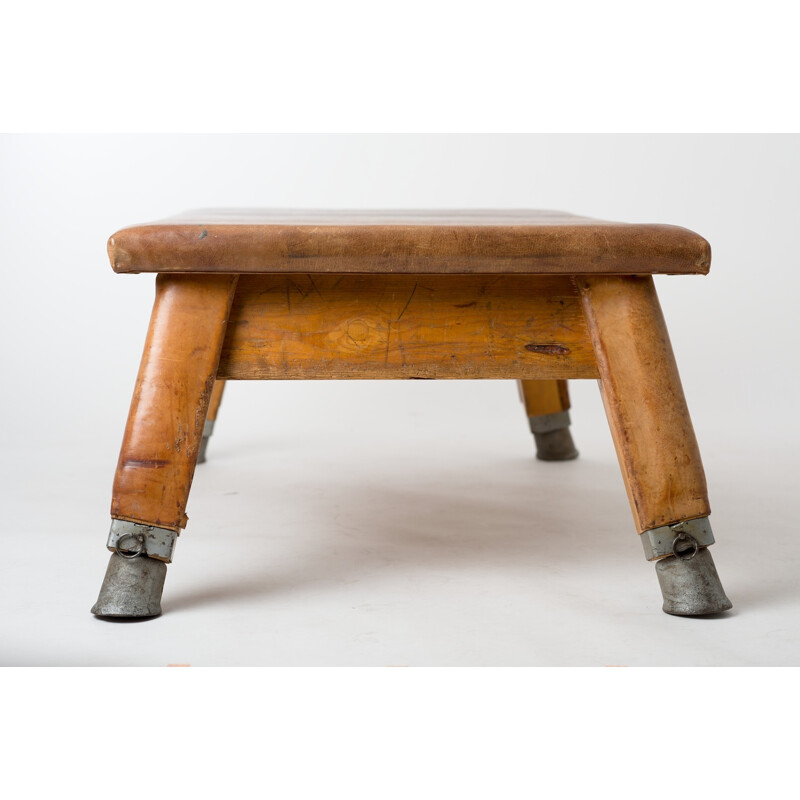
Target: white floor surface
[401, 524]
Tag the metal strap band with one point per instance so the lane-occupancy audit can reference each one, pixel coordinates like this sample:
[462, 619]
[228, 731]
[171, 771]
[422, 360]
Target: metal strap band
[544, 423]
[157, 543]
[658, 542]
[208, 428]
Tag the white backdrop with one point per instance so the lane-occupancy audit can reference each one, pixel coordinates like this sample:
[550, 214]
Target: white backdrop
[72, 331]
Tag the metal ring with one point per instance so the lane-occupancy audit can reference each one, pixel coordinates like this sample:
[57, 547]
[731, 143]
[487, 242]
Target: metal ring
[137, 537]
[685, 537]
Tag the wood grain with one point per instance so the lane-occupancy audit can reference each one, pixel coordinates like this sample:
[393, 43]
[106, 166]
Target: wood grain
[418, 242]
[216, 399]
[171, 398]
[396, 326]
[644, 401]
[544, 397]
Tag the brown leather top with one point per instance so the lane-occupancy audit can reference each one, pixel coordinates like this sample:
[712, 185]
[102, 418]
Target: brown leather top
[513, 241]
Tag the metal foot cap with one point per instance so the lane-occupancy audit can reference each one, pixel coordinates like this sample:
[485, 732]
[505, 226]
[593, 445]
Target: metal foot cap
[132, 588]
[555, 445]
[691, 586]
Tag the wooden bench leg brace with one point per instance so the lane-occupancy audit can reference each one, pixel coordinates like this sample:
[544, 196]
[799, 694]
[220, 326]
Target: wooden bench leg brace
[162, 439]
[654, 439]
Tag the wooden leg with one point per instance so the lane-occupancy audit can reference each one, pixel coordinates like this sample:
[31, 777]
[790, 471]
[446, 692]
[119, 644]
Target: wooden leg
[162, 438]
[171, 399]
[211, 418]
[654, 438]
[644, 401]
[547, 406]
[216, 399]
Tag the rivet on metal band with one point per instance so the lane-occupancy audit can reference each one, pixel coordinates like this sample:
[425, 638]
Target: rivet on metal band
[130, 539]
[544, 423]
[683, 539]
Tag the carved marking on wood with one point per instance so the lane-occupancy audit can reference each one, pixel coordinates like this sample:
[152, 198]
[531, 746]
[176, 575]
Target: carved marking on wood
[399, 326]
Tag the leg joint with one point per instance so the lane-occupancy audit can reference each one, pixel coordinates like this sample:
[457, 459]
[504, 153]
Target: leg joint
[678, 539]
[131, 539]
[544, 423]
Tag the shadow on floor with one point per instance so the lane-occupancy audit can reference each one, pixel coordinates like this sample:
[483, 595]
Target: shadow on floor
[528, 515]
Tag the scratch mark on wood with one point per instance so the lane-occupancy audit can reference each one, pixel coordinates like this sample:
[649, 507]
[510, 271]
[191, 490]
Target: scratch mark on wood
[408, 302]
[314, 286]
[294, 286]
[548, 349]
[388, 339]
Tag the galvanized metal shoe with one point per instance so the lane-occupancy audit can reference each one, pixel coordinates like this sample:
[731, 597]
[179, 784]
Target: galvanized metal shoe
[691, 586]
[685, 569]
[552, 436]
[136, 572]
[132, 587]
[555, 446]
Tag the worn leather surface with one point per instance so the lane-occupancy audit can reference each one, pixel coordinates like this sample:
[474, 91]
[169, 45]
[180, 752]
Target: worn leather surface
[418, 242]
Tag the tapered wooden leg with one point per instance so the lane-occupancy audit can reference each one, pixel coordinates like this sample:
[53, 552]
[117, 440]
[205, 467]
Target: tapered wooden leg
[644, 401]
[211, 418]
[547, 407]
[162, 438]
[654, 438]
